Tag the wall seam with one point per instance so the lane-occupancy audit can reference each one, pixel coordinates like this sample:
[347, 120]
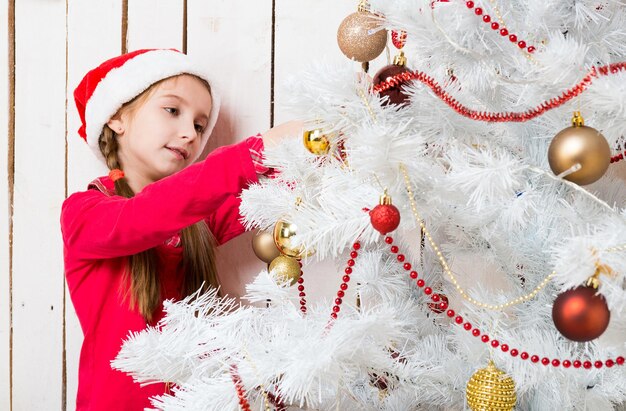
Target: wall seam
[124, 26]
[64, 354]
[11, 180]
[273, 55]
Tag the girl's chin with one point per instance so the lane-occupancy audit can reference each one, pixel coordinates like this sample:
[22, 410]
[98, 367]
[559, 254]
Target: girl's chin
[170, 169]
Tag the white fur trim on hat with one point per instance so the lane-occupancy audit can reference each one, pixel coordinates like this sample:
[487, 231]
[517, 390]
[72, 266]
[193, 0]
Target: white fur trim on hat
[124, 83]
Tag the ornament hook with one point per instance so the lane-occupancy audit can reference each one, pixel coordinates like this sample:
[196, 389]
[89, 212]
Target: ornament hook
[578, 120]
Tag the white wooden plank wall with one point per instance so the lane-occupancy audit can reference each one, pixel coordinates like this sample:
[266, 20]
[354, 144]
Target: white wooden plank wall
[243, 43]
[5, 296]
[155, 23]
[40, 75]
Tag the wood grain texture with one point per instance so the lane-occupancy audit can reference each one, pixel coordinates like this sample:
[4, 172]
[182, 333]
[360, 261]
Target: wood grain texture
[39, 192]
[155, 24]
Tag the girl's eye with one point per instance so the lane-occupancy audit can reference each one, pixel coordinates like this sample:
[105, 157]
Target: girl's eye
[173, 111]
[199, 128]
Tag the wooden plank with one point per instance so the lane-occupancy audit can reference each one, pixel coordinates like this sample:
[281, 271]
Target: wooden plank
[89, 23]
[39, 192]
[155, 24]
[232, 38]
[5, 282]
[306, 33]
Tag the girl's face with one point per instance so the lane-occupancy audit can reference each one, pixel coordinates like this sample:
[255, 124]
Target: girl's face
[163, 135]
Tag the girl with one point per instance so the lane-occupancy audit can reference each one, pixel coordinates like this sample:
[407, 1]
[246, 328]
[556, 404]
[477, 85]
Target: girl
[146, 232]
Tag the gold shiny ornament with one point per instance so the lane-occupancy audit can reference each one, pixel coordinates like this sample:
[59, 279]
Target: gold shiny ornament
[316, 141]
[286, 268]
[264, 247]
[360, 36]
[490, 389]
[283, 231]
[582, 145]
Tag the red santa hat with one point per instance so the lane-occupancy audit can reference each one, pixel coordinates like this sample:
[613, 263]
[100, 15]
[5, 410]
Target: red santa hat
[104, 90]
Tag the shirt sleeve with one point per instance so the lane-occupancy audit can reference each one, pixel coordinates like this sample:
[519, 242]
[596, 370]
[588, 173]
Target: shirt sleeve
[256, 147]
[96, 226]
[225, 223]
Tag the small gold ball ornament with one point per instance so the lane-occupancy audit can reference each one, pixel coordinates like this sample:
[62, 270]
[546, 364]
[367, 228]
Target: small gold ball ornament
[491, 389]
[264, 247]
[360, 36]
[283, 231]
[582, 145]
[316, 141]
[286, 268]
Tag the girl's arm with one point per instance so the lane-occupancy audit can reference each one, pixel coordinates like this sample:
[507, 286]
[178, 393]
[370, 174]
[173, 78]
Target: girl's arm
[96, 226]
[290, 129]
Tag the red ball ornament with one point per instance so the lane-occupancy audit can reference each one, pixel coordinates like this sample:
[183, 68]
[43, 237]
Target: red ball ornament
[437, 307]
[379, 381]
[395, 94]
[580, 315]
[385, 217]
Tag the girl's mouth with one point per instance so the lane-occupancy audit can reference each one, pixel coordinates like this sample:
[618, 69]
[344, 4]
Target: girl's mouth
[180, 153]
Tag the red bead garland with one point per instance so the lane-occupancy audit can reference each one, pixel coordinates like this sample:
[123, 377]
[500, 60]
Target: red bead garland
[547, 105]
[504, 347]
[618, 157]
[494, 26]
[241, 392]
[302, 294]
[346, 278]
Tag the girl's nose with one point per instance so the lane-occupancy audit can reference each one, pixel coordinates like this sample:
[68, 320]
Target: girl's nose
[189, 131]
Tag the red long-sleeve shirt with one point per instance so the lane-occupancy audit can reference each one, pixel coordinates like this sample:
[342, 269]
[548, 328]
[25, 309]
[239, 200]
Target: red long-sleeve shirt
[100, 230]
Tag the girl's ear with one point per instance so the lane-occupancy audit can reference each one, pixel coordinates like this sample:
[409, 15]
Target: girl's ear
[116, 124]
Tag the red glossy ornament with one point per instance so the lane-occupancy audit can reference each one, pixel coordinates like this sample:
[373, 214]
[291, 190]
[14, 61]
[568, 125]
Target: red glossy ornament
[580, 315]
[378, 381]
[394, 94]
[435, 307]
[385, 217]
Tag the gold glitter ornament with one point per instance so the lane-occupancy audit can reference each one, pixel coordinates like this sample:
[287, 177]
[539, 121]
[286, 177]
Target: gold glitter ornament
[286, 269]
[582, 145]
[264, 247]
[316, 141]
[360, 36]
[491, 389]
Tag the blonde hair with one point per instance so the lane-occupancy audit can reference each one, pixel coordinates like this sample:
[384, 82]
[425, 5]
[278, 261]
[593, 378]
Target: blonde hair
[141, 280]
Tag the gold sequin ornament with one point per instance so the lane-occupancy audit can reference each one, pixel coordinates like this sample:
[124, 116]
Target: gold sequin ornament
[491, 389]
[360, 36]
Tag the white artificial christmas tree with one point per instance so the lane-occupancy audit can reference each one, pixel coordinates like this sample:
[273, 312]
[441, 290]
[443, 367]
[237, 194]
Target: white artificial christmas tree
[485, 224]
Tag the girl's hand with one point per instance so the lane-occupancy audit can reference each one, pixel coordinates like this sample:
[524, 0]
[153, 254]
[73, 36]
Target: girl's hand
[290, 129]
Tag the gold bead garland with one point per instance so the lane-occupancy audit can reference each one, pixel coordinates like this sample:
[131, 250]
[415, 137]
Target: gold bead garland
[616, 248]
[446, 268]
